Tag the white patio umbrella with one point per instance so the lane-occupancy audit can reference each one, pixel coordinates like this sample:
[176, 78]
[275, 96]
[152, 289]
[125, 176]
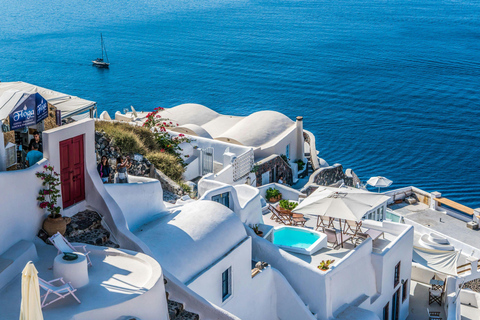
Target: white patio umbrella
[30, 308]
[379, 182]
[344, 204]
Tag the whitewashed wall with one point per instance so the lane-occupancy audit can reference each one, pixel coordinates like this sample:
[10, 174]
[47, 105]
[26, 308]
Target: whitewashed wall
[245, 200]
[20, 216]
[141, 202]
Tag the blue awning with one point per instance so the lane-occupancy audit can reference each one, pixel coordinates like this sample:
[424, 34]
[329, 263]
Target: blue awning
[29, 109]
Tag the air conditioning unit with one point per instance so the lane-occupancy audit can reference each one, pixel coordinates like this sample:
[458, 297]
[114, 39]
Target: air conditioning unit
[11, 154]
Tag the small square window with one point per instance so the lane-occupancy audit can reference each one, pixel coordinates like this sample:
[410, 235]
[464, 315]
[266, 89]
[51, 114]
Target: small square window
[396, 276]
[226, 284]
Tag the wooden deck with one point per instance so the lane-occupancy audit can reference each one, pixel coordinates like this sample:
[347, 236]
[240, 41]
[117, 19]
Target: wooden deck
[455, 205]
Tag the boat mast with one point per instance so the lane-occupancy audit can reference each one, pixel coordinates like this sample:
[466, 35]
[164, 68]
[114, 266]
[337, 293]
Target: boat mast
[101, 37]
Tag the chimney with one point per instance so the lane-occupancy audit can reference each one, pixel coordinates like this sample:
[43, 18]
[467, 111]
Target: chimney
[300, 139]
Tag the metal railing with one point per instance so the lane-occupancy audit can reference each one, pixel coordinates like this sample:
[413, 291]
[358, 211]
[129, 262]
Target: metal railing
[242, 165]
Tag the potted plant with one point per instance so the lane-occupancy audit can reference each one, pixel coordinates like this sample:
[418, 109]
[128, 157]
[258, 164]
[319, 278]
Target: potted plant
[48, 197]
[300, 164]
[325, 265]
[287, 206]
[256, 230]
[273, 195]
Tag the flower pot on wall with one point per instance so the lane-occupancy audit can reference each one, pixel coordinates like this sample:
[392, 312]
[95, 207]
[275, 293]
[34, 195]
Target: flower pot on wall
[54, 225]
[275, 199]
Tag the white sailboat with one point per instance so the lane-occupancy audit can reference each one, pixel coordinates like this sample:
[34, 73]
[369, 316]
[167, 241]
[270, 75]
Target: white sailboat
[99, 62]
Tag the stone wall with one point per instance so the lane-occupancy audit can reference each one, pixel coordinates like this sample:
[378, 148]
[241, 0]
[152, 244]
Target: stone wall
[277, 167]
[334, 174]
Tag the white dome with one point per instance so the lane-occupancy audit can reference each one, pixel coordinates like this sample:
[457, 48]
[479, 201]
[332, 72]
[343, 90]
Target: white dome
[193, 130]
[189, 113]
[257, 129]
[187, 242]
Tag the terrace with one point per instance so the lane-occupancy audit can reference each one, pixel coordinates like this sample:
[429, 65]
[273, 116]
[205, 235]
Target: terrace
[121, 283]
[379, 246]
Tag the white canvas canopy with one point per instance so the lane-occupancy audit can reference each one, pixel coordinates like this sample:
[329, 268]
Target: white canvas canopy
[437, 260]
[69, 105]
[340, 203]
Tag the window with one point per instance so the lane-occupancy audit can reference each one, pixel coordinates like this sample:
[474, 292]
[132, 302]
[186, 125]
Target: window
[396, 305]
[385, 311]
[226, 284]
[223, 198]
[287, 151]
[396, 276]
[404, 291]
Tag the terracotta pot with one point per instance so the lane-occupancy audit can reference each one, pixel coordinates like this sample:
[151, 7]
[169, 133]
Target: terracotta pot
[275, 199]
[259, 233]
[284, 211]
[54, 225]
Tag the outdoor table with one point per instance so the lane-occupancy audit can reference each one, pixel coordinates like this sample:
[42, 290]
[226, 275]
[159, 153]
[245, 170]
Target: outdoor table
[74, 271]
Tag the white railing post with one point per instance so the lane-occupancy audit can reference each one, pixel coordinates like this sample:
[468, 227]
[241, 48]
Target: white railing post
[434, 204]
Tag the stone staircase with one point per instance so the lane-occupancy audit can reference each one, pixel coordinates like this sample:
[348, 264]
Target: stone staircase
[176, 310]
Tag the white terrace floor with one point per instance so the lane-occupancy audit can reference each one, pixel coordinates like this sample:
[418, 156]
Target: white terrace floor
[115, 277]
[438, 221]
[330, 253]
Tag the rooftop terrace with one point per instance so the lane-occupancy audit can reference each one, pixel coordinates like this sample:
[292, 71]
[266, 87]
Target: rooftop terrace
[337, 254]
[116, 278]
[438, 221]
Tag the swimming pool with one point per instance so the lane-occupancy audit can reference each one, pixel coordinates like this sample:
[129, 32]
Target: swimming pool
[299, 240]
[389, 215]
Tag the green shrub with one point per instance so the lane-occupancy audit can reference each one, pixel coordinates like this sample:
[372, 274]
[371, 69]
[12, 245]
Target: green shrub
[128, 138]
[287, 205]
[300, 163]
[167, 163]
[272, 193]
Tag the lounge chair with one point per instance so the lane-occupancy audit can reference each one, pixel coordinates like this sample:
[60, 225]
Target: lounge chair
[293, 219]
[435, 293]
[64, 246]
[61, 291]
[352, 227]
[324, 222]
[335, 237]
[277, 216]
[433, 315]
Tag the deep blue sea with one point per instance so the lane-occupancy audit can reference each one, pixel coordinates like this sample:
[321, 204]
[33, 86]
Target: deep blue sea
[389, 88]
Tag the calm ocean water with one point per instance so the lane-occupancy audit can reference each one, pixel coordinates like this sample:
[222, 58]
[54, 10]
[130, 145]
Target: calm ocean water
[388, 87]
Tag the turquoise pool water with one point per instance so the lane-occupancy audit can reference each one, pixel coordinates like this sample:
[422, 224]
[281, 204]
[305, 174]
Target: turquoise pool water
[294, 238]
[391, 216]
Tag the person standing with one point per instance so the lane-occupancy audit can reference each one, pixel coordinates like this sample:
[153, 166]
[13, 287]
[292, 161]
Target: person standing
[33, 156]
[104, 169]
[36, 139]
[122, 166]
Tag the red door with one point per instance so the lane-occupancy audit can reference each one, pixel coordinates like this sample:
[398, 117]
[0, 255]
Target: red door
[72, 171]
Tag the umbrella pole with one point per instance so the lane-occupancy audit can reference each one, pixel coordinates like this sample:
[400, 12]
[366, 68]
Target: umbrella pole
[341, 232]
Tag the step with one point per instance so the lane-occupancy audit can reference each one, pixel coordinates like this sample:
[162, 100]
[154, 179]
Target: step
[174, 309]
[186, 315]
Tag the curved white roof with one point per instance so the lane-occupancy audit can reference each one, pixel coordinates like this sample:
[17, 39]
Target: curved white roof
[187, 242]
[193, 130]
[190, 113]
[258, 128]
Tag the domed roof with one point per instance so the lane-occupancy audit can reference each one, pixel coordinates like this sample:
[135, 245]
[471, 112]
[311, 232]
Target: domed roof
[187, 242]
[258, 128]
[193, 130]
[189, 113]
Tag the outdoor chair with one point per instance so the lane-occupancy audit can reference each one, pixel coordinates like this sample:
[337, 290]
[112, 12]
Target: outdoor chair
[433, 315]
[277, 216]
[352, 227]
[61, 291]
[435, 293]
[63, 245]
[324, 222]
[335, 238]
